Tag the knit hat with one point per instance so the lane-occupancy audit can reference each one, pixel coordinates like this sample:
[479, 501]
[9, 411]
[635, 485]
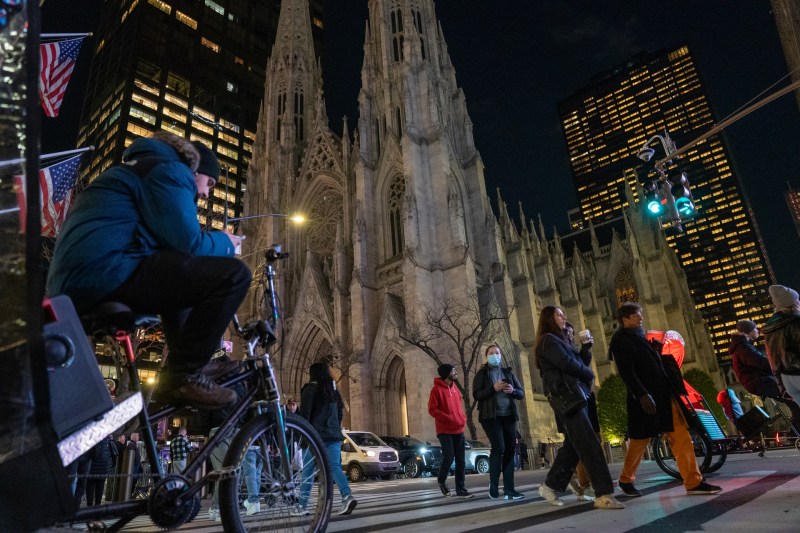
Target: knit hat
[208, 161]
[745, 326]
[782, 297]
[444, 370]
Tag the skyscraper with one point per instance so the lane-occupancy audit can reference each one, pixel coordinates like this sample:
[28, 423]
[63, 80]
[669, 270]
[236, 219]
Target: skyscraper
[195, 68]
[793, 200]
[607, 122]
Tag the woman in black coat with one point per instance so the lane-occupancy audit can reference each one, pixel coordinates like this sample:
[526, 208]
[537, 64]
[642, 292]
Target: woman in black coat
[102, 466]
[497, 390]
[560, 363]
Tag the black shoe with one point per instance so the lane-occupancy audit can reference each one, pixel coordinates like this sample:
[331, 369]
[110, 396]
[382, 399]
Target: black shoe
[629, 490]
[444, 489]
[464, 493]
[197, 390]
[512, 495]
[703, 488]
[494, 493]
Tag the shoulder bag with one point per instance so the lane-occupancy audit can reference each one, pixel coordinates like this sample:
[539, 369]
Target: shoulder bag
[566, 399]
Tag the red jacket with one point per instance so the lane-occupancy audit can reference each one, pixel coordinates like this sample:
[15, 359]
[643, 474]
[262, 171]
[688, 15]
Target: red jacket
[446, 407]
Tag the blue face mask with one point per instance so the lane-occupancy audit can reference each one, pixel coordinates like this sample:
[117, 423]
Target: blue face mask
[494, 359]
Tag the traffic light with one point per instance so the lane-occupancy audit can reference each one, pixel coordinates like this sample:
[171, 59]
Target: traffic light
[683, 195]
[653, 202]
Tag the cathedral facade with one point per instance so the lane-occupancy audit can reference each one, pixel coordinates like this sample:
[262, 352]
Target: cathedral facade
[399, 219]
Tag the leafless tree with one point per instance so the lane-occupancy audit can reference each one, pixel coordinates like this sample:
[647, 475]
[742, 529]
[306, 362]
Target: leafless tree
[453, 331]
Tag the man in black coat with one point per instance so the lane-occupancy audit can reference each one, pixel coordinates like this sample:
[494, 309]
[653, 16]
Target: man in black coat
[753, 370]
[653, 384]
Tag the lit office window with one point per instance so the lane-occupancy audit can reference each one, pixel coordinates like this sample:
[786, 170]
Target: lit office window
[186, 19]
[163, 6]
[209, 44]
[215, 7]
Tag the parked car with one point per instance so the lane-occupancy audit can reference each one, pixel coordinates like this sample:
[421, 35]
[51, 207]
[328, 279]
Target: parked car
[416, 457]
[476, 456]
[365, 454]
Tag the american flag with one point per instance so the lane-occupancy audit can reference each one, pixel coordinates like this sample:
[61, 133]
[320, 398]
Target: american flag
[55, 184]
[57, 62]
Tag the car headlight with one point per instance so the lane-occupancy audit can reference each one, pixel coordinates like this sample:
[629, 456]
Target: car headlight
[370, 453]
[423, 450]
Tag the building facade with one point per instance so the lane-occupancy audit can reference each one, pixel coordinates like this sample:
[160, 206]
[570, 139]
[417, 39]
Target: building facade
[606, 123]
[145, 78]
[400, 221]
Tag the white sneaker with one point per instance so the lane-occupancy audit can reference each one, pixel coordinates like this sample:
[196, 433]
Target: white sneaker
[550, 496]
[299, 511]
[213, 515]
[608, 501]
[252, 508]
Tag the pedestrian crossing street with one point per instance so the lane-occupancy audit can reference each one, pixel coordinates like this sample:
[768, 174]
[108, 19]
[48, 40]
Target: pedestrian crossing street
[752, 500]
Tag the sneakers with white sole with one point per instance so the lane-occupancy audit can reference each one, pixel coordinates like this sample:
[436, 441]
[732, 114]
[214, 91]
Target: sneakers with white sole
[213, 515]
[252, 507]
[550, 495]
[608, 501]
[348, 504]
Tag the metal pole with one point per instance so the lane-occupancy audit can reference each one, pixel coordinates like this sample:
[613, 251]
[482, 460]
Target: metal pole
[727, 122]
[59, 35]
[45, 156]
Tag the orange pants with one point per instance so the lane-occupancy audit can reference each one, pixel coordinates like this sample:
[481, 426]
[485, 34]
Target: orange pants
[681, 443]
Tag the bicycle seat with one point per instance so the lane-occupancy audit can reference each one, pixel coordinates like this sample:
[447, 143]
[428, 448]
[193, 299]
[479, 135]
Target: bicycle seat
[108, 318]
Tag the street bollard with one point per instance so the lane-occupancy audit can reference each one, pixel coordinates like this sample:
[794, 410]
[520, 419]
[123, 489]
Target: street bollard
[124, 476]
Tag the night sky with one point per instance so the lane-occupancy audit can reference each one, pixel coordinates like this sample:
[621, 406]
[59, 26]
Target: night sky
[516, 59]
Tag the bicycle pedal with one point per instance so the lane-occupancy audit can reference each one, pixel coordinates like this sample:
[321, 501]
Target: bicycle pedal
[224, 473]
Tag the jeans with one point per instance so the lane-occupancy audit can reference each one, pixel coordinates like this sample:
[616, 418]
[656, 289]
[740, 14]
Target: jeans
[452, 446]
[196, 298]
[580, 444]
[682, 447]
[251, 468]
[502, 433]
[333, 450]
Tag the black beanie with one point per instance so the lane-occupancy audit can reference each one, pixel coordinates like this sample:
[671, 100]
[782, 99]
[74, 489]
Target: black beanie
[444, 370]
[208, 161]
[745, 326]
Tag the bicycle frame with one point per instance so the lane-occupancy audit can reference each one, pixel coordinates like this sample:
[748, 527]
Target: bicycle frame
[261, 376]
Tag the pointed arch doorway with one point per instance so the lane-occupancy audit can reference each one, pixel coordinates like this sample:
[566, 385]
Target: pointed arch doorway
[396, 398]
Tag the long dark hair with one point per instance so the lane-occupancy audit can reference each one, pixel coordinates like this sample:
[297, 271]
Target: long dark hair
[547, 324]
[320, 373]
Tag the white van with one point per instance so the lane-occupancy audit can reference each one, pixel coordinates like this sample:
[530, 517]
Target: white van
[365, 454]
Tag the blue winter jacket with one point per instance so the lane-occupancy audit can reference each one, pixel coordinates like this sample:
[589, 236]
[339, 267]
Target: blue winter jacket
[121, 218]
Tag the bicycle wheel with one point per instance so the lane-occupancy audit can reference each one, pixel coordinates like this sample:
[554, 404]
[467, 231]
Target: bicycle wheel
[253, 452]
[719, 455]
[666, 459]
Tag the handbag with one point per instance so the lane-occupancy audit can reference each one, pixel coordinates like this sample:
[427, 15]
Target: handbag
[566, 399]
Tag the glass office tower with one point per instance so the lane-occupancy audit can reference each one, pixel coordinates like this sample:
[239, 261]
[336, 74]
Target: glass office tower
[192, 67]
[607, 122]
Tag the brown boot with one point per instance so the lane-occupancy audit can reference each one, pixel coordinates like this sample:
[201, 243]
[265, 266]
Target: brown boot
[221, 367]
[198, 390]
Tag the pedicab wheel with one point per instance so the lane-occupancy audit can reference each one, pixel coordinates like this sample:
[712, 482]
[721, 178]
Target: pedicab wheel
[719, 453]
[665, 458]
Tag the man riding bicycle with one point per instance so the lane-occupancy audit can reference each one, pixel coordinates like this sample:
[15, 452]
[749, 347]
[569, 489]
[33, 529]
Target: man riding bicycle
[133, 237]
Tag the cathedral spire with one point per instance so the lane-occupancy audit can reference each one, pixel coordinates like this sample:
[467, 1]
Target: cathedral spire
[595, 241]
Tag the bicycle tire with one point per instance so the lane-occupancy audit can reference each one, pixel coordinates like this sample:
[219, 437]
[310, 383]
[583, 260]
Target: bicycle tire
[719, 453]
[666, 460]
[276, 500]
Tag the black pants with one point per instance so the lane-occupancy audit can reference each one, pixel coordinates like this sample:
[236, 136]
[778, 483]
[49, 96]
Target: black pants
[196, 298]
[580, 444]
[502, 433]
[452, 447]
[94, 490]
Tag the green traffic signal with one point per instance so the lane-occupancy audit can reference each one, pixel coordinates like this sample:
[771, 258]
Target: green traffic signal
[684, 206]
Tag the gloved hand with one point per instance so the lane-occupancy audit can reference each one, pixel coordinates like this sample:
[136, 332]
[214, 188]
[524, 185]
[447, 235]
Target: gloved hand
[657, 346]
[647, 403]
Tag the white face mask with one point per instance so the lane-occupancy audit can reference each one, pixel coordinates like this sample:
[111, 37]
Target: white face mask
[494, 359]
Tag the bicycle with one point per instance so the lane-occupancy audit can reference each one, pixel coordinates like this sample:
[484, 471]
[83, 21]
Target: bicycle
[274, 437]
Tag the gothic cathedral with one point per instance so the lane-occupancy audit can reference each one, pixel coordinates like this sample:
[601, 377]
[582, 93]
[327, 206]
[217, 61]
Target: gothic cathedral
[400, 220]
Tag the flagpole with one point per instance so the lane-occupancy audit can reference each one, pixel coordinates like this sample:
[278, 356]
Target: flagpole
[46, 156]
[67, 35]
